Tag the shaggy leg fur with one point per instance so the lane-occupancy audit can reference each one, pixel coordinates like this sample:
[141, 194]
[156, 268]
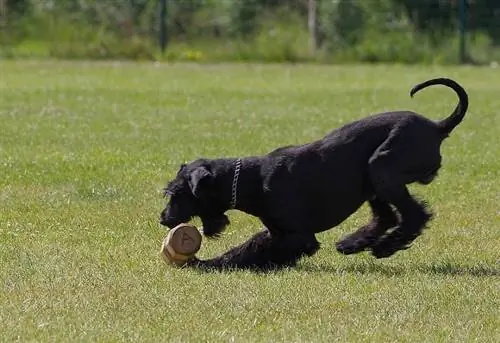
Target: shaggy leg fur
[415, 216]
[264, 251]
[388, 168]
[383, 219]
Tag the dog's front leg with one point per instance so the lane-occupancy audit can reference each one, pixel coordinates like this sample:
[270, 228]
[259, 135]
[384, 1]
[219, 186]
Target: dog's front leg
[389, 182]
[263, 251]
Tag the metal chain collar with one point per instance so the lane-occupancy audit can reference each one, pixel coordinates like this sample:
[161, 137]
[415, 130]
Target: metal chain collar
[235, 182]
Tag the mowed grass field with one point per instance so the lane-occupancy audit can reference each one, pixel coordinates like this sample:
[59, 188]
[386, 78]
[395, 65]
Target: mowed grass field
[86, 148]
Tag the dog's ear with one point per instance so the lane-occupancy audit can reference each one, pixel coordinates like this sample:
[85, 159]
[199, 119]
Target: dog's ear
[181, 168]
[199, 180]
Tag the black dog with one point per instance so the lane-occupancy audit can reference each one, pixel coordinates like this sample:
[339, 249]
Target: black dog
[298, 191]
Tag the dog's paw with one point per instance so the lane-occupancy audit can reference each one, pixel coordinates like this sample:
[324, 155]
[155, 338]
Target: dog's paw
[356, 242]
[354, 245]
[392, 243]
[210, 234]
[384, 252]
[349, 247]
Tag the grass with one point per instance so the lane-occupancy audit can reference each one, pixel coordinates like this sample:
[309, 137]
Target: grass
[85, 149]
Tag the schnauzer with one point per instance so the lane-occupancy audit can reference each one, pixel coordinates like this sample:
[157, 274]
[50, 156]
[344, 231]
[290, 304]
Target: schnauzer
[299, 191]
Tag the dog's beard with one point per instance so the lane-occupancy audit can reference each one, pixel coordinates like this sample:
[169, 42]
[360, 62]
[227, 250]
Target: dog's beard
[213, 226]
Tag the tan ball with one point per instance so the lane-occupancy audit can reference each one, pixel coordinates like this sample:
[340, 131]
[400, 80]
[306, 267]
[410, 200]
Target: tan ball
[181, 244]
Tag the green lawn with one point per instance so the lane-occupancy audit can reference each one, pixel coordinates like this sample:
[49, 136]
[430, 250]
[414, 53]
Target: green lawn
[86, 148]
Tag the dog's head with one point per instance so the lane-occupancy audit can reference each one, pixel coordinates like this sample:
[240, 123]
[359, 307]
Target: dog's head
[193, 192]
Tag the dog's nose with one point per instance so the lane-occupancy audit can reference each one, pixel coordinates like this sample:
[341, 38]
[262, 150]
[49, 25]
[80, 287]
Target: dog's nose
[166, 222]
[163, 220]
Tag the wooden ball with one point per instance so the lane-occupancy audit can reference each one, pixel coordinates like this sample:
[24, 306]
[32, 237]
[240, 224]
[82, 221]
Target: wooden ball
[181, 244]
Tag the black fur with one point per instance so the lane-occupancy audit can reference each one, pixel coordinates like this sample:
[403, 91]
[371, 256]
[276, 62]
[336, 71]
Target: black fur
[298, 191]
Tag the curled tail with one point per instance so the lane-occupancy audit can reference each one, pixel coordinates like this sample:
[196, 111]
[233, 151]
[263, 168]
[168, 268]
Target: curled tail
[448, 124]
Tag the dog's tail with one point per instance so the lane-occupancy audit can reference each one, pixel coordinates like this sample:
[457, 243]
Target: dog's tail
[448, 124]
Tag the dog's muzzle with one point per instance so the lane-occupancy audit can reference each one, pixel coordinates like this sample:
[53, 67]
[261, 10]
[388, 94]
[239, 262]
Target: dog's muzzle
[168, 223]
[172, 221]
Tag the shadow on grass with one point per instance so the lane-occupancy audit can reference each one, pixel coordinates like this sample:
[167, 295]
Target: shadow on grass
[446, 269]
[373, 267]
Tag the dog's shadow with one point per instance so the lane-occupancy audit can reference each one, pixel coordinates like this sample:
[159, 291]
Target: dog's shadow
[380, 268]
[368, 267]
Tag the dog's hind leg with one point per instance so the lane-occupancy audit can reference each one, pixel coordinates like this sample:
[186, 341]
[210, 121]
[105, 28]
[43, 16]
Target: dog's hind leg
[263, 251]
[396, 163]
[383, 219]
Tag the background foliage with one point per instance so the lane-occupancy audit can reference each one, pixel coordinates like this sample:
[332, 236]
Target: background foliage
[266, 30]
